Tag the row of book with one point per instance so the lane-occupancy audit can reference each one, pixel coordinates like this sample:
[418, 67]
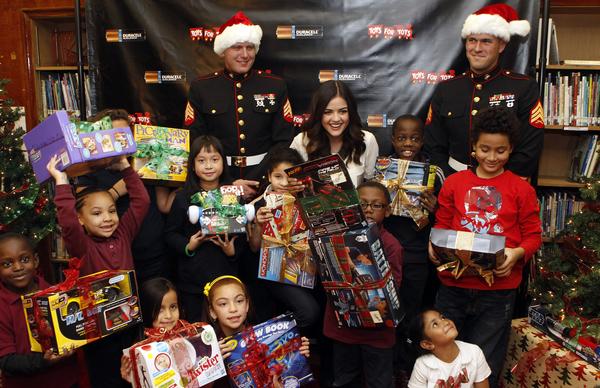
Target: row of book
[60, 91]
[555, 210]
[572, 99]
[585, 158]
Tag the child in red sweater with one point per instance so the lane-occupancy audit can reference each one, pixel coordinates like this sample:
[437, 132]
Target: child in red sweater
[367, 352]
[20, 366]
[488, 199]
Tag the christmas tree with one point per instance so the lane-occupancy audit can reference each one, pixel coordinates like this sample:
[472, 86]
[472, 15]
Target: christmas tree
[24, 205]
[566, 276]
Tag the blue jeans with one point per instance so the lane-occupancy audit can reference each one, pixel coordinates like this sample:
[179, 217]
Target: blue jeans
[483, 318]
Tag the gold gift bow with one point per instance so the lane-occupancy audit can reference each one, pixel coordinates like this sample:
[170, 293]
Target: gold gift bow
[459, 267]
[290, 248]
[401, 200]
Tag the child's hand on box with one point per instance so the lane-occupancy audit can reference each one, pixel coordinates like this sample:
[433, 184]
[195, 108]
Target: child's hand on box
[119, 165]
[512, 256]
[196, 240]
[226, 346]
[263, 215]
[432, 255]
[60, 177]
[52, 358]
[126, 368]
[294, 185]
[305, 347]
[428, 200]
[225, 243]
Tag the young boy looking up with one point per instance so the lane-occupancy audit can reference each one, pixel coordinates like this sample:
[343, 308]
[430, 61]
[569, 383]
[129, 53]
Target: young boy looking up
[20, 366]
[359, 351]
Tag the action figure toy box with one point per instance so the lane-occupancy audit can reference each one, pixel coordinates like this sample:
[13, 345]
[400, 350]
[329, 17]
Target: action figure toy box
[187, 356]
[162, 153]
[468, 253]
[358, 278]
[81, 310]
[406, 180]
[285, 256]
[78, 153]
[329, 200]
[220, 211]
[271, 347]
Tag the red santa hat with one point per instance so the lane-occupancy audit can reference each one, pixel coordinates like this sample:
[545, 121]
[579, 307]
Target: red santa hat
[500, 20]
[238, 29]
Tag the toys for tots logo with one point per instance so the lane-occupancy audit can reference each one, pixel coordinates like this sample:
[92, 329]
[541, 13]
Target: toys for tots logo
[430, 77]
[205, 34]
[398, 31]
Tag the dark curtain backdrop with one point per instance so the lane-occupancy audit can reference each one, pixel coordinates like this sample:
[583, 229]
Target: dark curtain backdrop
[392, 53]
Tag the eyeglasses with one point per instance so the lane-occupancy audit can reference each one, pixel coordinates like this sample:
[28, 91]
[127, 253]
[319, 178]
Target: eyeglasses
[374, 206]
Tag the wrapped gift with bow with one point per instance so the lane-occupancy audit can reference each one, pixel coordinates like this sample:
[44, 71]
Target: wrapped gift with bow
[406, 180]
[468, 253]
[270, 348]
[81, 310]
[162, 153]
[285, 256]
[358, 278]
[186, 356]
[329, 201]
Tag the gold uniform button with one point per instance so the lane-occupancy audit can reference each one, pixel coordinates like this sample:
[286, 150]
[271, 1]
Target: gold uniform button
[474, 112]
[240, 97]
[216, 73]
[238, 85]
[479, 86]
[508, 72]
[449, 113]
[241, 122]
[242, 150]
[476, 99]
[240, 110]
[267, 110]
[242, 136]
[213, 111]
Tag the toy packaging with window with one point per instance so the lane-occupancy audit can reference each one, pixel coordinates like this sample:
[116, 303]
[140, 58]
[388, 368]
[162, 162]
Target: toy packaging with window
[81, 310]
[162, 153]
[329, 200]
[285, 256]
[271, 347]
[357, 278]
[78, 153]
[221, 210]
[187, 356]
[406, 180]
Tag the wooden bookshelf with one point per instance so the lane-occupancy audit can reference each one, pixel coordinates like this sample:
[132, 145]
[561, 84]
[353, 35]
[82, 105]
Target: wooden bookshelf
[557, 181]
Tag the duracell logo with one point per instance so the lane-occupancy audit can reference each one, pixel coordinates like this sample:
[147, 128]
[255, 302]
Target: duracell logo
[379, 121]
[159, 76]
[299, 32]
[117, 36]
[337, 75]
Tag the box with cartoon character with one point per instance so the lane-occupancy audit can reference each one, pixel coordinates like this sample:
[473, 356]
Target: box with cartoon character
[285, 256]
[162, 153]
[221, 210]
[406, 180]
[81, 310]
[187, 356]
[78, 153]
[358, 278]
[468, 253]
[271, 347]
[329, 201]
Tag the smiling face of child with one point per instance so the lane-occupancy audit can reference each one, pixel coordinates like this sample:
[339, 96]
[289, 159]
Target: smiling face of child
[18, 264]
[99, 214]
[229, 307]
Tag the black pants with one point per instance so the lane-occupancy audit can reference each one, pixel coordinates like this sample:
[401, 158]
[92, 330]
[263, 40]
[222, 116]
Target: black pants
[350, 361]
[193, 306]
[298, 300]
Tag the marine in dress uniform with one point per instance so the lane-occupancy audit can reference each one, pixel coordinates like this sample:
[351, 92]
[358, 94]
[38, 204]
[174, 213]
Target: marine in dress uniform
[248, 112]
[456, 101]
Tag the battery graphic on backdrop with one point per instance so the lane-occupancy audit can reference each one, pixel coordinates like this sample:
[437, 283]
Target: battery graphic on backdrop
[299, 32]
[379, 121]
[159, 76]
[120, 35]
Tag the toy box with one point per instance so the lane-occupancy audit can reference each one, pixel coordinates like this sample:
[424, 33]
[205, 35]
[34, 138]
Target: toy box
[162, 153]
[540, 317]
[272, 346]
[406, 180]
[468, 253]
[285, 256]
[329, 201]
[220, 211]
[188, 356]
[358, 278]
[78, 153]
[80, 311]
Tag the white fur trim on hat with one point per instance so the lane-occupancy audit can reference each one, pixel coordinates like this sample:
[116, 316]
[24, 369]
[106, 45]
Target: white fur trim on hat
[486, 24]
[238, 33]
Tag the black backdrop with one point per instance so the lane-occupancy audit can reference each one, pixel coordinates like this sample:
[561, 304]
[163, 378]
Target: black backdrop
[392, 53]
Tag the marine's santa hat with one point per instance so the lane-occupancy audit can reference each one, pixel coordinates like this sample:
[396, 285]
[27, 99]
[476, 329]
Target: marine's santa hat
[499, 20]
[238, 29]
